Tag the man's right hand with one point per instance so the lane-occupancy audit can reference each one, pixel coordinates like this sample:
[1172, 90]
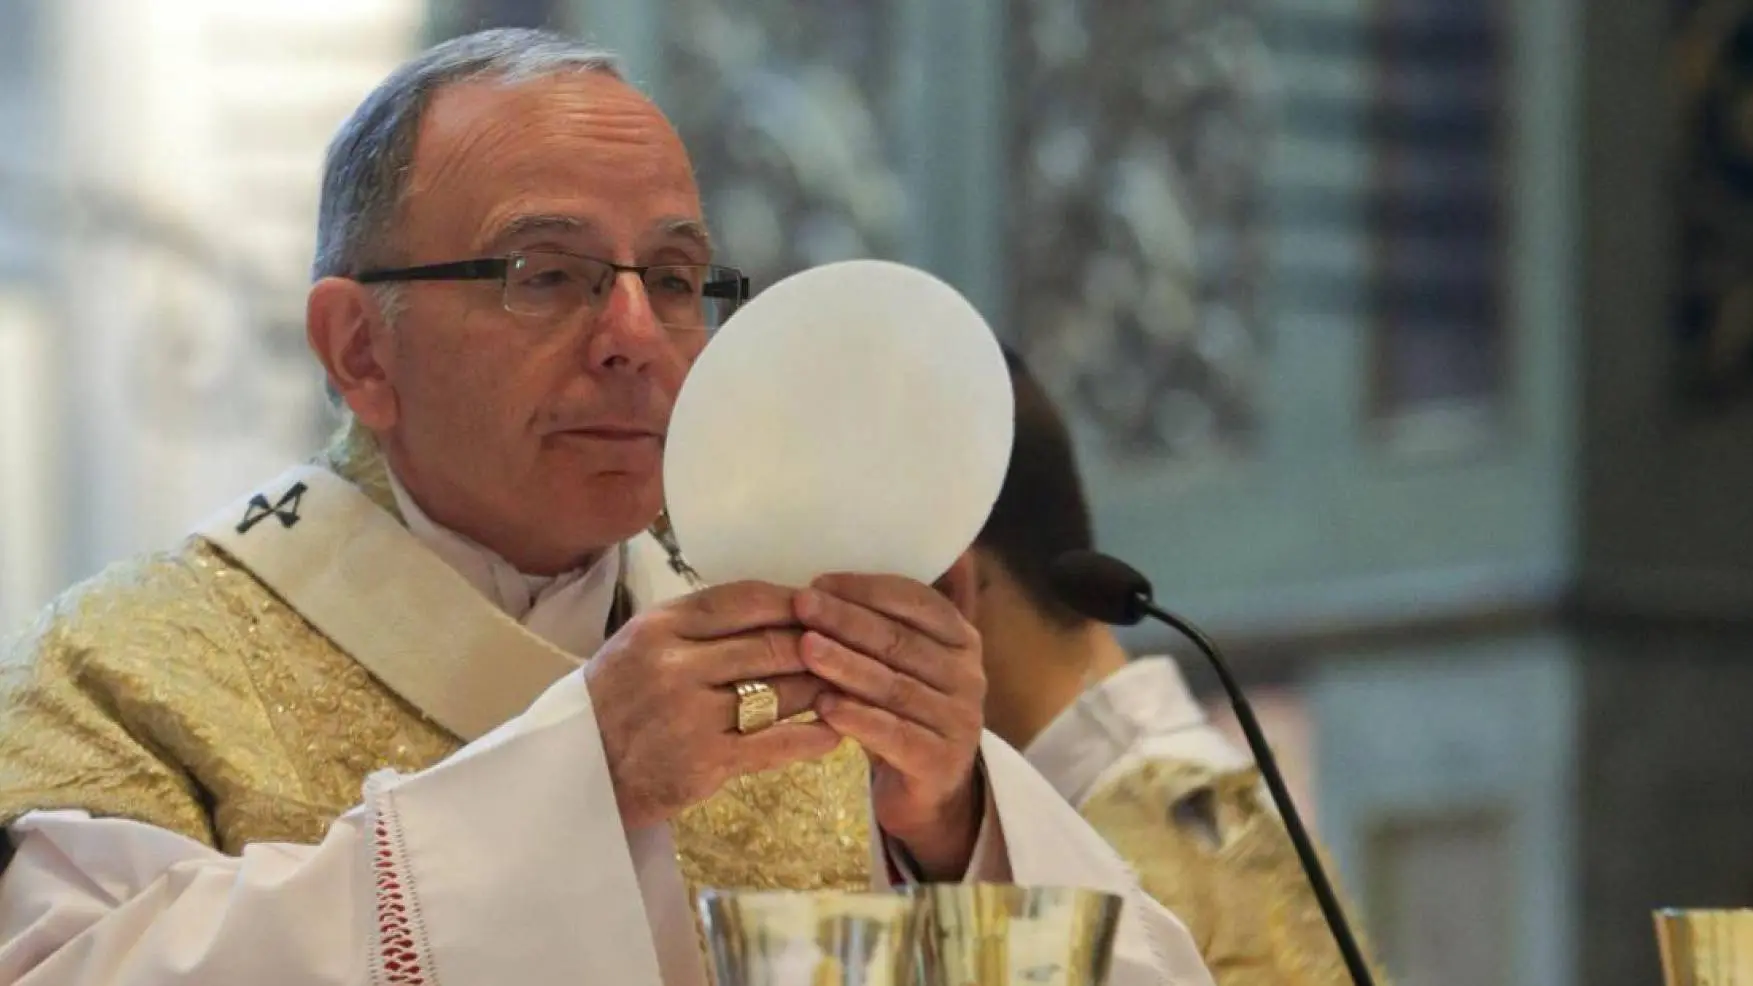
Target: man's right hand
[664, 692]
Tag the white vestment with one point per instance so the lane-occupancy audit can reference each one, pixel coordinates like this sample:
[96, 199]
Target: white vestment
[506, 862]
[1144, 711]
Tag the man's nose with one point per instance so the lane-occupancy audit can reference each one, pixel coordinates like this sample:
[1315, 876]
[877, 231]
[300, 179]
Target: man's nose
[628, 334]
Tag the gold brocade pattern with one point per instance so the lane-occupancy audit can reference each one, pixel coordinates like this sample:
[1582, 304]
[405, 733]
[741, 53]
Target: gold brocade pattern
[803, 827]
[1239, 888]
[176, 689]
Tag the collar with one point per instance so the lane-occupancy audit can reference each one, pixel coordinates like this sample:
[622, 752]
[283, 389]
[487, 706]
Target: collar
[1146, 698]
[569, 610]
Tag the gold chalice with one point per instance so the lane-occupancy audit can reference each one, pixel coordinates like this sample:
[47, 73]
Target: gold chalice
[813, 938]
[1006, 935]
[1706, 947]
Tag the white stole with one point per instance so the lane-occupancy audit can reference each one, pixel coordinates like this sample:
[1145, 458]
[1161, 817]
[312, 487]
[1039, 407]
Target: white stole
[372, 588]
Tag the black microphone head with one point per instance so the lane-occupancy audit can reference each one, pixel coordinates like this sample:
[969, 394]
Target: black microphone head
[1100, 586]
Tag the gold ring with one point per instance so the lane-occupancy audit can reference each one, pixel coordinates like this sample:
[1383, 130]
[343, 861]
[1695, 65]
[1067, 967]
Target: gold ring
[757, 706]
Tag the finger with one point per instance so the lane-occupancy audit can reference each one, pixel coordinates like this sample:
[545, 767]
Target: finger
[913, 603]
[782, 744]
[749, 656]
[906, 746]
[871, 633]
[874, 682]
[729, 609]
[796, 693]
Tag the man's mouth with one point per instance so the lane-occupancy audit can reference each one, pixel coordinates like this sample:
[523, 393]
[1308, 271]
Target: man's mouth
[609, 433]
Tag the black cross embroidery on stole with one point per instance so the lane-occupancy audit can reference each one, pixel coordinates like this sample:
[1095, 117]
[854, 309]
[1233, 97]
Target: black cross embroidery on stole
[284, 510]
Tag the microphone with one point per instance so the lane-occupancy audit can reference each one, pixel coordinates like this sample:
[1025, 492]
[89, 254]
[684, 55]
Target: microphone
[1107, 589]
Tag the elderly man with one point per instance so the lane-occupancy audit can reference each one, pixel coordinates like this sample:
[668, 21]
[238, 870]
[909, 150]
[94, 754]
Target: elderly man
[433, 708]
[1125, 741]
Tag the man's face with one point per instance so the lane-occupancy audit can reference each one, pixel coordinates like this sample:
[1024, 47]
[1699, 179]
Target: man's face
[543, 439]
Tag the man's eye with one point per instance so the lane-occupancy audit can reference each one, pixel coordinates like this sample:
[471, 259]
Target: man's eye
[548, 277]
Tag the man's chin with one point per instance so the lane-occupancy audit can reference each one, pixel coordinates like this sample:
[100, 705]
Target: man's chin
[608, 508]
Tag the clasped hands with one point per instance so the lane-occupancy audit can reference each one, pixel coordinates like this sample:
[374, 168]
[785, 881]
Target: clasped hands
[885, 661]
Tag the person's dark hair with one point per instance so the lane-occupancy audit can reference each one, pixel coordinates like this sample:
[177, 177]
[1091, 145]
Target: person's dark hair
[1041, 510]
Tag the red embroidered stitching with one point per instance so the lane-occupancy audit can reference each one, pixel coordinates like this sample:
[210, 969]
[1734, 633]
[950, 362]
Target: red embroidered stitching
[395, 926]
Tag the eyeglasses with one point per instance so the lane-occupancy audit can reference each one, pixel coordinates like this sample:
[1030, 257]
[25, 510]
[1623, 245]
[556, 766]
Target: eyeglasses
[553, 285]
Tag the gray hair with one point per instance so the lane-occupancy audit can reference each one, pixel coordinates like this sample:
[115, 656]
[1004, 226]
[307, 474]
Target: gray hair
[365, 173]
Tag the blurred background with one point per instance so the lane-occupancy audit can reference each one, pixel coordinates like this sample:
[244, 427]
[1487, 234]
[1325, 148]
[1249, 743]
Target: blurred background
[1409, 344]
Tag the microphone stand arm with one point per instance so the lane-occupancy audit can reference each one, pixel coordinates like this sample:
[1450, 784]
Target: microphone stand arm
[1293, 823]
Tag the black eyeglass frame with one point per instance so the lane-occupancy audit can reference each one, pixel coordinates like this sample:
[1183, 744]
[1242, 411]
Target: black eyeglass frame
[734, 287]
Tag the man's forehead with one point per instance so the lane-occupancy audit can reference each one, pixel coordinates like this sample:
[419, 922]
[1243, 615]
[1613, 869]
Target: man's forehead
[490, 97]
[581, 157]
[478, 116]
[525, 225]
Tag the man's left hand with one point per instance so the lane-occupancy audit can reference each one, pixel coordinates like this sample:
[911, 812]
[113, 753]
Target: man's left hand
[910, 690]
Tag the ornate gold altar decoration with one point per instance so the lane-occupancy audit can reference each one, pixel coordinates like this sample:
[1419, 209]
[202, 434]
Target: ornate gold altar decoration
[1706, 948]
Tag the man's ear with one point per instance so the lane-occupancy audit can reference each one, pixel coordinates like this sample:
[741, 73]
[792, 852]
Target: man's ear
[346, 330]
[961, 584]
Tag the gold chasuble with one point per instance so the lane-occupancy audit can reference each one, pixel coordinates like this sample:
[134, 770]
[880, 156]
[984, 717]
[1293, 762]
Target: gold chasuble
[1209, 847]
[241, 687]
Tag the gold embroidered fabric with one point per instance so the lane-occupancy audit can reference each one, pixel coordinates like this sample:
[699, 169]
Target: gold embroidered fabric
[1209, 847]
[803, 827]
[177, 690]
